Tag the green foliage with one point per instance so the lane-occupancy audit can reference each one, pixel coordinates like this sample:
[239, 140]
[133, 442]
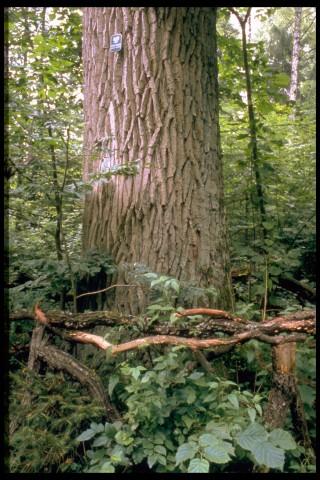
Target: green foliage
[286, 158]
[43, 440]
[48, 278]
[161, 429]
[165, 293]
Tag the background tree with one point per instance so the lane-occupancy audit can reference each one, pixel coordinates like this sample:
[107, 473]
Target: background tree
[154, 105]
[293, 91]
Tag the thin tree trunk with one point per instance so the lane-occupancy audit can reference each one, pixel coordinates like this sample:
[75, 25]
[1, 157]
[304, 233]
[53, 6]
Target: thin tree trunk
[293, 91]
[155, 103]
[284, 395]
[253, 134]
[252, 122]
[57, 198]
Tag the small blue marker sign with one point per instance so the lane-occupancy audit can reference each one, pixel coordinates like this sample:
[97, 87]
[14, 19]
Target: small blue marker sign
[116, 42]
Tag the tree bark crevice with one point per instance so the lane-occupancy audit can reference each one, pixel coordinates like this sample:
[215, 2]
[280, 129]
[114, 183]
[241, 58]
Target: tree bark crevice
[158, 106]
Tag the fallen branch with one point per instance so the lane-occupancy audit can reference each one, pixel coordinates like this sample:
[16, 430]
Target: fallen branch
[304, 292]
[212, 312]
[106, 289]
[298, 325]
[218, 320]
[60, 360]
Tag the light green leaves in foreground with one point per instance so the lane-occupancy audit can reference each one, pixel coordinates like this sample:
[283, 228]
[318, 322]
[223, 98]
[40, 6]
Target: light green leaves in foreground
[267, 448]
[209, 447]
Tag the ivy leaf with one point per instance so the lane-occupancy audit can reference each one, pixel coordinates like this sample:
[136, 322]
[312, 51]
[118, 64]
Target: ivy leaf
[198, 465]
[184, 452]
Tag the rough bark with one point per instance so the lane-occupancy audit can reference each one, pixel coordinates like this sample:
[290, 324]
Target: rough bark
[155, 103]
[284, 395]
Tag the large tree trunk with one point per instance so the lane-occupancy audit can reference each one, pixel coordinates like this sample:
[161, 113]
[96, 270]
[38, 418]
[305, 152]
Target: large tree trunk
[155, 103]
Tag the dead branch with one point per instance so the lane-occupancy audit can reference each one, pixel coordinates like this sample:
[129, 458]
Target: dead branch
[60, 360]
[106, 289]
[298, 325]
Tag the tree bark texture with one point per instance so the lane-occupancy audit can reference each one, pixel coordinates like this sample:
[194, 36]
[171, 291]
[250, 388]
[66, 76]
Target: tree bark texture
[155, 103]
[284, 395]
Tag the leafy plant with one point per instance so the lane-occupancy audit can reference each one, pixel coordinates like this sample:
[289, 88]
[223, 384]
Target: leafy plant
[161, 429]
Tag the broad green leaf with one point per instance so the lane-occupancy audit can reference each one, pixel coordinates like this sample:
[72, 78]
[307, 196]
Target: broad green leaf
[252, 414]
[191, 396]
[158, 281]
[198, 465]
[207, 439]
[216, 454]
[100, 441]
[159, 438]
[123, 438]
[219, 431]
[187, 420]
[152, 459]
[162, 459]
[267, 454]
[107, 467]
[196, 375]
[175, 285]
[184, 452]
[233, 399]
[97, 427]
[259, 409]
[160, 449]
[251, 435]
[281, 438]
[150, 275]
[86, 435]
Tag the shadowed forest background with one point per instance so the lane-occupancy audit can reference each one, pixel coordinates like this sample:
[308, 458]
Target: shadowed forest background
[160, 250]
